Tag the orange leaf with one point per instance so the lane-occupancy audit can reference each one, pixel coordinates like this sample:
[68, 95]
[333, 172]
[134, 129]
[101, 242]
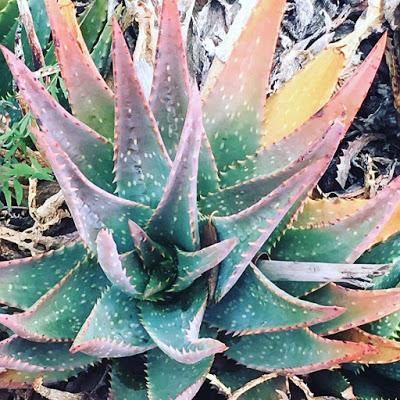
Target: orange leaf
[302, 96]
[387, 351]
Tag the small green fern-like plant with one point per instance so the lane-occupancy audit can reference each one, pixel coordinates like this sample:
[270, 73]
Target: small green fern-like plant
[175, 200]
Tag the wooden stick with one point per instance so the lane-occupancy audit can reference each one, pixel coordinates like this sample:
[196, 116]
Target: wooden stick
[356, 274]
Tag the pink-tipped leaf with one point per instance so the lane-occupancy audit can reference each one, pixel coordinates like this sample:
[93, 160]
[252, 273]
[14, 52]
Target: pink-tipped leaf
[139, 149]
[87, 149]
[113, 328]
[176, 217]
[363, 306]
[170, 90]
[90, 98]
[234, 108]
[91, 207]
[162, 321]
[344, 105]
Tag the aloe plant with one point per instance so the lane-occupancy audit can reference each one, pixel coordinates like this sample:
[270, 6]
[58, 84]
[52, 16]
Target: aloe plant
[176, 198]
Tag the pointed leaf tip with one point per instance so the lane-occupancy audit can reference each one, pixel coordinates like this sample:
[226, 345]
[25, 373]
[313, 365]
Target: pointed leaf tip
[175, 326]
[176, 217]
[233, 108]
[83, 199]
[170, 89]
[263, 217]
[125, 271]
[297, 351]
[90, 98]
[86, 148]
[139, 149]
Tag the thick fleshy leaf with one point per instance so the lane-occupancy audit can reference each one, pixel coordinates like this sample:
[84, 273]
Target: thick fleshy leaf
[141, 161]
[325, 211]
[88, 150]
[126, 271]
[68, 13]
[208, 179]
[149, 252]
[352, 235]
[91, 207]
[296, 351]
[101, 53]
[176, 217]
[299, 289]
[236, 198]
[255, 224]
[234, 108]
[170, 90]
[92, 22]
[387, 327]
[333, 383]
[168, 379]
[18, 353]
[328, 210]
[344, 105]
[113, 328]
[127, 382]
[90, 98]
[157, 261]
[59, 314]
[24, 281]
[387, 251]
[238, 376]
[8, 16]
[291, 106]
[256, 305]
[174, 326]
[391, 371]
[388, 351]
[192, 265]
[362, 306]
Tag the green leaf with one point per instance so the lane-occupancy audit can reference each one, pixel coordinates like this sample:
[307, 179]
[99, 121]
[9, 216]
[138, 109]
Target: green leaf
[256, 305]
[21, 354]
[93, 21]
[191, 265]
[255, 224]
[142, 164]
[352, 235]
[19, 192]
[83, 199]
[233, 109]
[24, 281]
[40, 21]
[127, 382]
[343, 105]
[113, 328]
[169, 379]
[170, 89]
[8, 15]
[174, 326]
[88, 150]
[296, 351]
[101, 53]
[126, 271]
[175, 220]
[60, 313]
